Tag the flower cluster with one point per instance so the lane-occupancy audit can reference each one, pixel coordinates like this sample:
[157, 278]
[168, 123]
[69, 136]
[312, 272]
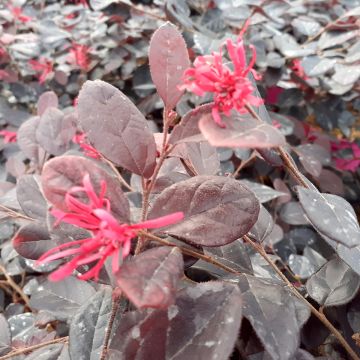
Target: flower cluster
[109, 237]
[351, 163]
[232, 89]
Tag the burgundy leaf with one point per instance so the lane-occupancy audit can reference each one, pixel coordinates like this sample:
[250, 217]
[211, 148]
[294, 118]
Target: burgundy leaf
[241, 131]
[200, 157]
[150, 279]
[46, 100]
[168, 59]
[331, 182]
[218, 210]
[204, 322]
[331, 216]
[189, 124]
[32, 240]
[116, 128]
[312, 157]
[62, 173]
[30, 197]
[26, 138]
[55, 131]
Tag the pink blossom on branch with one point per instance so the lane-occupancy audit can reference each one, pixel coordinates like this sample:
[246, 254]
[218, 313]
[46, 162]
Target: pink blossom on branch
[109, 237]
[232, 89]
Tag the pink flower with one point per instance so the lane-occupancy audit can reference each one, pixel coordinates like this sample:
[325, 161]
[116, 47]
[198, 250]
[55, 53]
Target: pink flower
[9, 136]
[79, 55]
[232, 89]
[89, 150]
[18, 14]
[110, 238]
[351, 163]
[297, 68]
[44, 67]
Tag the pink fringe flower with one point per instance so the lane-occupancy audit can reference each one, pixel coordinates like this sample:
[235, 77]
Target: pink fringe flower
[44, 67]
[18, 14]
[351, 163]
[79, 55]
[110, 238]
[232, 89]
[9, 136]
[89, 150]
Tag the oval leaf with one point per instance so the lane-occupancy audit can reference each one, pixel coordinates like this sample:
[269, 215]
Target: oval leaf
[188, 127]
[331, 216]
[150, 279]
[55, 131]
[116, 128]
[46, 100]
[218, 210]
[241, 131]
[26, 138]
[168, 59]
[32, 240]
[205, 321]
[334, 284]
[88, 327]
[30, 197]
[64, 172]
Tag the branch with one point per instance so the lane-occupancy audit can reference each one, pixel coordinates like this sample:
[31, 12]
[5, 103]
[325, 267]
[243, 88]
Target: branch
[258, 248]
[28, 349]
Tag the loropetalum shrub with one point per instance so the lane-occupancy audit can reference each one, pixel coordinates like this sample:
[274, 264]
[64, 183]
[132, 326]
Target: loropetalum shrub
[175, 258]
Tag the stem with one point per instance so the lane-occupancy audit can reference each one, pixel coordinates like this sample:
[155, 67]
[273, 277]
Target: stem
[313, 310]
[165, 151]
[15, 214]
[114, 308]
[16, 287]
[190, 252]
[118, 175]
[34, 347]
[285, 157]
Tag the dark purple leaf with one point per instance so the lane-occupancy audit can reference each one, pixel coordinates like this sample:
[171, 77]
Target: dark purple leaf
[205, 321]
[88, 326]
[47, 100]
[218, 210]
[234, 255]
[275, 315]
[199, 157]
[262, 192]
[32, 240]
[241, 131]
[189, 124]
[331, 216]
[168, 59]
[331, 182]
[150, 279]
[312, 157]
[116, 128]
[334, 284]
[263, 226]
[5, 336]
[55, 131]
[26, 138]
[30, 197]
[62, 173]
[292, 213]
[62, 299]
